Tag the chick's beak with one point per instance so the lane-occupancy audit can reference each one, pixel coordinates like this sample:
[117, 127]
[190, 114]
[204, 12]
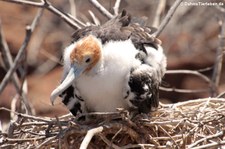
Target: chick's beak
[69, 79]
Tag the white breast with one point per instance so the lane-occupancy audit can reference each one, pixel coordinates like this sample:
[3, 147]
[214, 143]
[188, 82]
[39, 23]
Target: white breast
[102, 89]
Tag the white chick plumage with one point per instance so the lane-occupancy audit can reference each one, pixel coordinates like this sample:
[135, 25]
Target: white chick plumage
[116, 65]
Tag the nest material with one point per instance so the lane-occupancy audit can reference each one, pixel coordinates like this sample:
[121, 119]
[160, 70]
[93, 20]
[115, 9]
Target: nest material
[192, 124]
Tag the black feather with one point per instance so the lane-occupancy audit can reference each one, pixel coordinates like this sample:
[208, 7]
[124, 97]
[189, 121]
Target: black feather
[122, 27]
[144, 98]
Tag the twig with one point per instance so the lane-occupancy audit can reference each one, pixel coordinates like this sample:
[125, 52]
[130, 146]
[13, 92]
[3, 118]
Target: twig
[29, 31]
[110, 144]
[200, 114]
[102, 114]
[141, 146]
[205, 139]
[167, 138]
[116, 134]
[24, 139]
[221, 95]
[196, 73]
[45, 4]
[195, 102]
[72, 8]
[32, 133]
[161, 7]
[95, 19]
[45, 142]
[219, 59]
[26, 2]
[192, 72]
[76, 20]
[13, 107]
[170, 122]
[205, 69]
[27, 115]
[101, 9]
[33, 123]
[172, 139]
[37, 41]
[73, 15]
[185, 91]
[8, 58]
[69, 115]
[116, 7]
[214, 144]
[62, 15]
[89, 136]
[132, 133]
[168, 17]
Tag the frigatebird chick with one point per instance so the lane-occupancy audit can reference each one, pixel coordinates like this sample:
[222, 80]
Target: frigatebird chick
[117, 65]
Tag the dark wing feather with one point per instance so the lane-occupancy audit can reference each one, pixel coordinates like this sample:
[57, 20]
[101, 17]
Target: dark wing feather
[68, 95]
[145, 89]
[121, 27]
[108, 31]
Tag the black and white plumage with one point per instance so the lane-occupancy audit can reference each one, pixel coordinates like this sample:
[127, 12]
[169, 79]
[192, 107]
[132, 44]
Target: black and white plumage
[116, 65]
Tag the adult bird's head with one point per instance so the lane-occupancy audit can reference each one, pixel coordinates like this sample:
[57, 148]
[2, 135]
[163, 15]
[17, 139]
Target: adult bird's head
[82, 58]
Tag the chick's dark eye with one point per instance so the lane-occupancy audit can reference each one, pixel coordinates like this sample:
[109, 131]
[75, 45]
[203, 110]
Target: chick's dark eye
[87, 60]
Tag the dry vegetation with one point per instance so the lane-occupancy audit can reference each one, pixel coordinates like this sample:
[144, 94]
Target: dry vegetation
[193, 124]
[193, 38]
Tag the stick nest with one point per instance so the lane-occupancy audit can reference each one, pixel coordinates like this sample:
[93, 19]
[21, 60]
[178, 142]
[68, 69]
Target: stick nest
[192, 124]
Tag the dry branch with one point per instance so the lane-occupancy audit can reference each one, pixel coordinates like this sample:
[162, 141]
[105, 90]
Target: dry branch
[217, 135]
[8, 62]
[102, 9]
[7, 58]
[116, 7]
[74, 23]
[29, 31]
[16, 63]
[191, 72]
[184, 91]
[188, 91]
[89, 136]
[160, 9]
[94, 18]
[72, 8]
[167, 17]
[219, 59]
[221, 95]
